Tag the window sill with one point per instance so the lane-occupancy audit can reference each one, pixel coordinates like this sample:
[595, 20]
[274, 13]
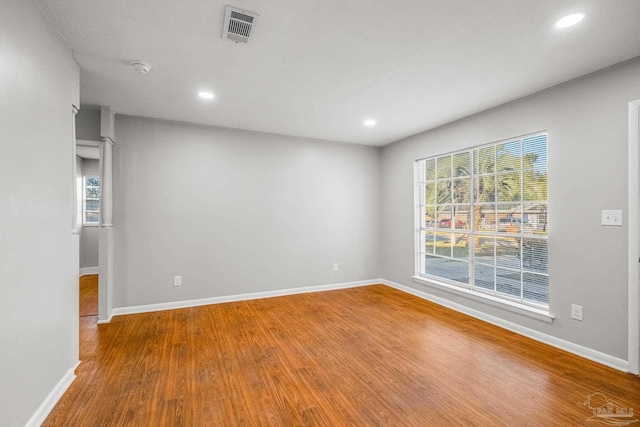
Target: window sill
[91, 225]
[535, 313]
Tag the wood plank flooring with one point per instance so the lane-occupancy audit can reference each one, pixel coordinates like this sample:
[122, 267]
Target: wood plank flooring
[368, 356]
[89, 295]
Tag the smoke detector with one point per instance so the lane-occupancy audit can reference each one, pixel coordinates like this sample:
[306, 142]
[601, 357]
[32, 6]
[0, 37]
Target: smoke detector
[238, 24]
[141, 67]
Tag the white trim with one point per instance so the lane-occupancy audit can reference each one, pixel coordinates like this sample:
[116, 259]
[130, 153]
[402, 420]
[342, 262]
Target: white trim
[85, 152]
[101, 322]
[119, 311]
[52, 398]
[570, 347]
[417, 218]
[88, 143]
[84, 271]
[633, 238]
[503, 303]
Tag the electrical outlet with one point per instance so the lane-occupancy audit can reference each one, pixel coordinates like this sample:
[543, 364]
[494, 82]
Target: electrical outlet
[612, 218]
[576, 312]
[335, 266]
[177, 280]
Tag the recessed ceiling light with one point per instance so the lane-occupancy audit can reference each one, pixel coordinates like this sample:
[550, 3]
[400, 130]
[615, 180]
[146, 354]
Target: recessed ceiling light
[570, 20]
[205, 95]
[369, 122]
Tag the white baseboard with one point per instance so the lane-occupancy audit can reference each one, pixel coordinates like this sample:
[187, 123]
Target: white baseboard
[52, 398]
[119, 311]
[567, 346]
[101, 322]
[88, 270]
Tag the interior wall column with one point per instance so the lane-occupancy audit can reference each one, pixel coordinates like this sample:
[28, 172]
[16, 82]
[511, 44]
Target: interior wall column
[105, 245]
[106, 183]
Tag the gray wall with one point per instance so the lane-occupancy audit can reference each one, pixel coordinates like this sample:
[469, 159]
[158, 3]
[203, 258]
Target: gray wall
[89, 237]
[90, 167]
[88, 124]
[234, 212]
[39, 287]
[587, 124]
[89, 247]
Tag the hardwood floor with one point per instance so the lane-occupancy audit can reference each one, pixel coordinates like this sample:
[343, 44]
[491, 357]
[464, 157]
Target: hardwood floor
[89, 295]
[369, 356]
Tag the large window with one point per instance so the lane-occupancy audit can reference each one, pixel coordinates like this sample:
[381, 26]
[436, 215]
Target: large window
[91, 200]
[483, 219]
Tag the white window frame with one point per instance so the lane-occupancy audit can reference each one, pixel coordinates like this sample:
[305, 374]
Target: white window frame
[85, 223]
[521, 305]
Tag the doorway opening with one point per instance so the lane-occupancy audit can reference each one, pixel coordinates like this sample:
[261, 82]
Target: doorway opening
[88, 213]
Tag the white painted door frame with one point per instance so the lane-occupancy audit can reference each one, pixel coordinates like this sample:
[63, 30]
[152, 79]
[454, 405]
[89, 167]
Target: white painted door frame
[633, 238]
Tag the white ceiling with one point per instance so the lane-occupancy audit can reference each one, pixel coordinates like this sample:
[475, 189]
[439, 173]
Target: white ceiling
[318, 68]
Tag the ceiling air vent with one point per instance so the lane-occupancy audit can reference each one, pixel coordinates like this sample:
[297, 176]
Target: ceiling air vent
[238, 24]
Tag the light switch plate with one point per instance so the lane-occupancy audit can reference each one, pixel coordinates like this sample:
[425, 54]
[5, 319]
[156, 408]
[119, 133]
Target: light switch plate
[612, 218]
[576, 312]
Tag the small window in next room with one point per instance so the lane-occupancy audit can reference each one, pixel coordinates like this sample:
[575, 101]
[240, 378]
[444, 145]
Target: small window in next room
[91, 200]
[482, 220]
